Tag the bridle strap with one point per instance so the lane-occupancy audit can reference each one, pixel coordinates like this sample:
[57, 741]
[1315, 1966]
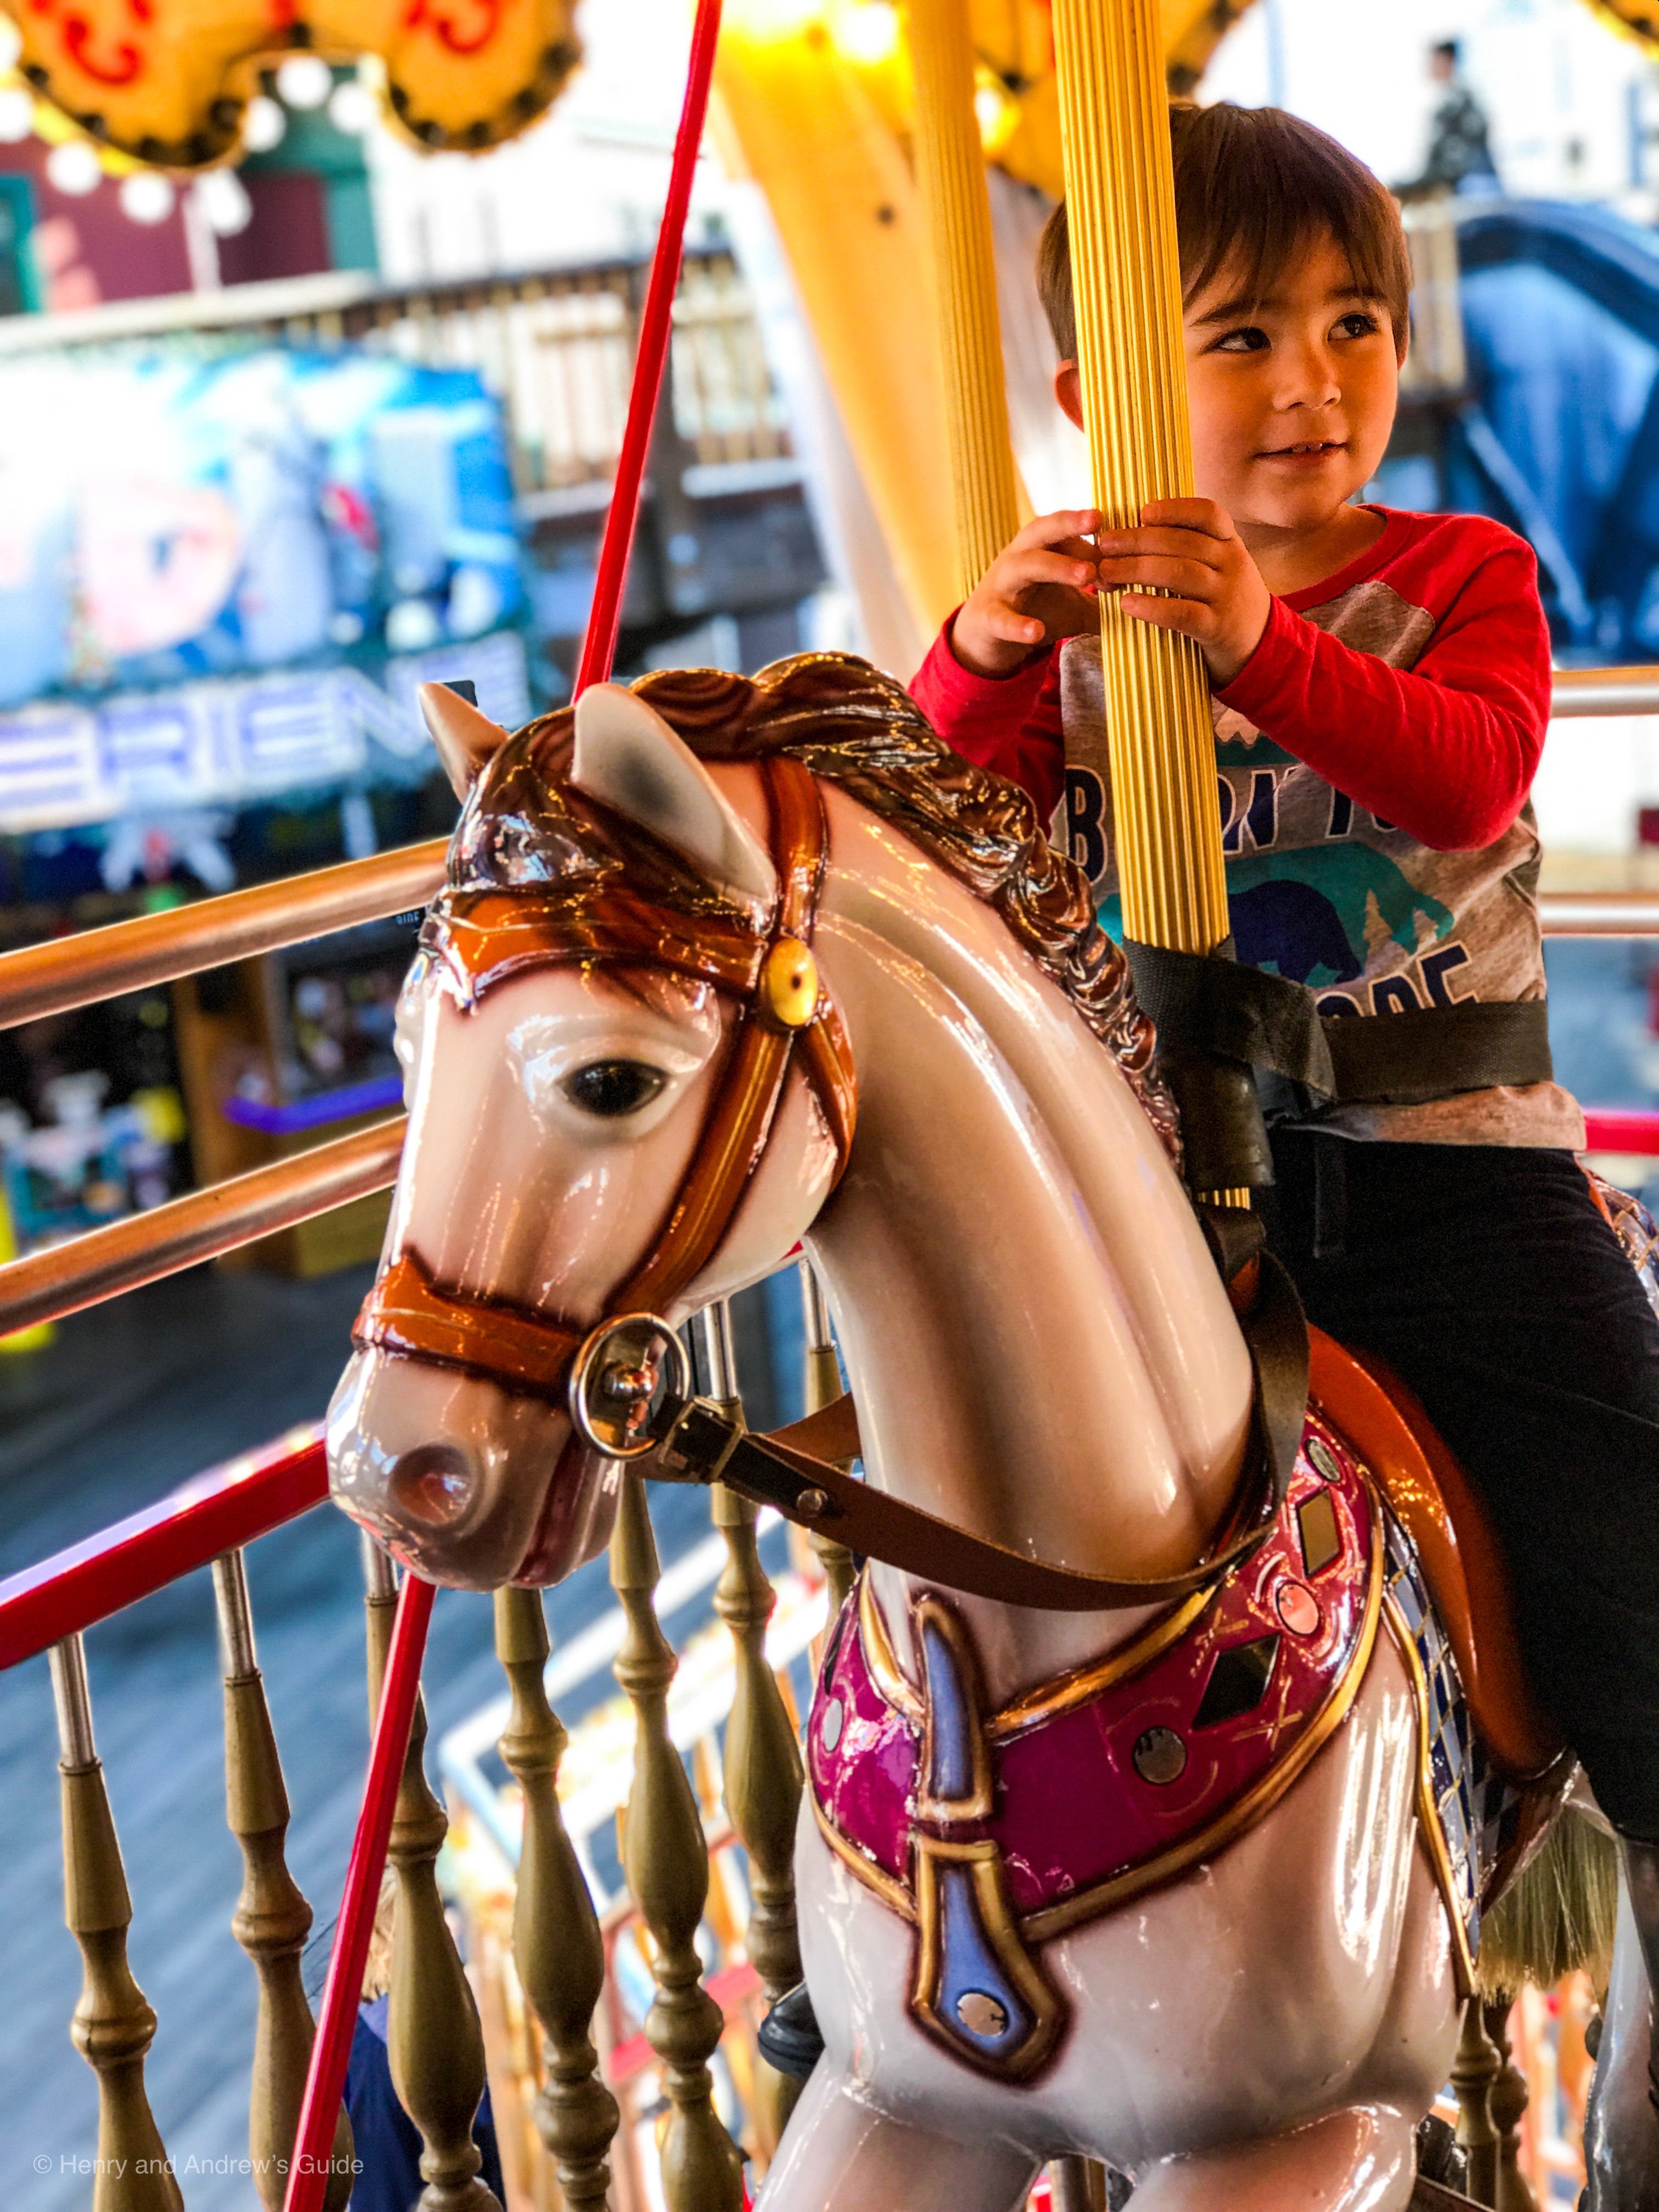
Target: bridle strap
[407, 1313]
[795, 1471]
[410, 1315]
[745, 1100]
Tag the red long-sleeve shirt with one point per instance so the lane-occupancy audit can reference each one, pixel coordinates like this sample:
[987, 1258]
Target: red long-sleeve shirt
[1373, 758]
[1445, 748]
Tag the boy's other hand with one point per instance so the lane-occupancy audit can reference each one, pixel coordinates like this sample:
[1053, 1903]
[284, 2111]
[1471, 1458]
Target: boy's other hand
[1039, 588]
[1209, 588]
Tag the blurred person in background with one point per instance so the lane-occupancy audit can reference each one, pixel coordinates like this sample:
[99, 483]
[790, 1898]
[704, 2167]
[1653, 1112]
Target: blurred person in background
[1459, 157]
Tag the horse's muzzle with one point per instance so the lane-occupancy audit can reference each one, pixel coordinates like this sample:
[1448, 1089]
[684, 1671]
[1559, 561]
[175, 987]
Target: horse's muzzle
[471, 1483]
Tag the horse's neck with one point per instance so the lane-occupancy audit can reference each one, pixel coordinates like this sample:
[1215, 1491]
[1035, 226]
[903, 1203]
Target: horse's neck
[1041, 1348]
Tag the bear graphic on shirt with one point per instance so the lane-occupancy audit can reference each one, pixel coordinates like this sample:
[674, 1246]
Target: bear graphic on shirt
[1315, 915]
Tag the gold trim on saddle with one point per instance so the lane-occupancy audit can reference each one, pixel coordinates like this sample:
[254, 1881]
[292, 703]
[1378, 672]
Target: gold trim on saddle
[1061, 1694]
[893, 1893]
[1256, 1804]
[1428, 1812]
[936, 1630]
[977, 1989]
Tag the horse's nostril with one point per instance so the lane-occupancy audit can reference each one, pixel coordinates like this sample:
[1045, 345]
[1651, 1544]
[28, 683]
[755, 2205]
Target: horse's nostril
[433, 1485]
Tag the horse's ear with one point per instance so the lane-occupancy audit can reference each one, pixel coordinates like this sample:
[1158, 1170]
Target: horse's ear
[465, 738]
[627, 756]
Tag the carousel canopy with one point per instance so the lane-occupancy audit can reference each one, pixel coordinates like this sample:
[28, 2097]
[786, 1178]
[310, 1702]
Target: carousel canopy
[166, 81]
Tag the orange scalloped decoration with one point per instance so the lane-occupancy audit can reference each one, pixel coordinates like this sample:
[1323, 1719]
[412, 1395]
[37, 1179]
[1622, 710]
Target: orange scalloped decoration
[166, 81]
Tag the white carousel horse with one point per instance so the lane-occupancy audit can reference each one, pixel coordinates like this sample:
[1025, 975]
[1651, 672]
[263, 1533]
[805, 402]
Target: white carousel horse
[1042, 1353]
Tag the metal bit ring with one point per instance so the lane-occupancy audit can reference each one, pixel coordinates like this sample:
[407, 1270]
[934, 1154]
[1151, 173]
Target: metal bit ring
[616, 1374]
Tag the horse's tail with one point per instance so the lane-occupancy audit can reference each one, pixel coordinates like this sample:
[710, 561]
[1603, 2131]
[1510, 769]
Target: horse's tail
[1557, 1915]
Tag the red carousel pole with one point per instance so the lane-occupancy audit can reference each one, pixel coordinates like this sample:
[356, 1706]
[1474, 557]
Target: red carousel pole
[313, 2142]
[656, 324]
[308, 2177]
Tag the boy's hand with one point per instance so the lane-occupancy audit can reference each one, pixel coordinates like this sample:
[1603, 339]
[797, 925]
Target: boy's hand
[1188, 548]
[1039, 588]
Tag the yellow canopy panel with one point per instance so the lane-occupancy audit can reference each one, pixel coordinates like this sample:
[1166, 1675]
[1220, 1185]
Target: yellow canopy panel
[165, 81]
[1014, 41]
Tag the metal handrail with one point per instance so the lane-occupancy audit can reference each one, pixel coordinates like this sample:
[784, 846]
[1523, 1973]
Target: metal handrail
[216, 1512]
[1579, 692]
[142, 1247]
[79, 970]
[1599, 914]
[67, 972]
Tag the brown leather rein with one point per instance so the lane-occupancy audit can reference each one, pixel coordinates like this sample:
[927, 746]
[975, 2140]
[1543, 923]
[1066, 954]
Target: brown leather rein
[782, 1007]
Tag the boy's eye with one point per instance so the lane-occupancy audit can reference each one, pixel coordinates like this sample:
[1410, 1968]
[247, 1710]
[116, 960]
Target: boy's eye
[1250, 338]
[1358, 325]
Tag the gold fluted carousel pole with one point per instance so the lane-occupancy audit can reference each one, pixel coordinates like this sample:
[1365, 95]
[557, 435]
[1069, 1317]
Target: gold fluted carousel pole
[951, 171]
[1120, 189]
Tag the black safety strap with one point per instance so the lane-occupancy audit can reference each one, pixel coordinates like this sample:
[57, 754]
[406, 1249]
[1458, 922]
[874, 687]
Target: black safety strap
[1429, 1052]
[1205, 1005]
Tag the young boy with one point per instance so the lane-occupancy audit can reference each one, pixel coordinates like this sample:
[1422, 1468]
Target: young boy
[1380, 683]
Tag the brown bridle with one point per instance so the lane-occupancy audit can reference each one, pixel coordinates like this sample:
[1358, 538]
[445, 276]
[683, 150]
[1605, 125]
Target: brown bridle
[610, 1370]
[768, 969]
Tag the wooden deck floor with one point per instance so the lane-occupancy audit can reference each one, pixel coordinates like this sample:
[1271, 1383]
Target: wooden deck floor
[128, 1402]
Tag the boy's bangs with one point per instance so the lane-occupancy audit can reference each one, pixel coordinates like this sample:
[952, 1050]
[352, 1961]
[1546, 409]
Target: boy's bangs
[1254, 259]
[1255, 190]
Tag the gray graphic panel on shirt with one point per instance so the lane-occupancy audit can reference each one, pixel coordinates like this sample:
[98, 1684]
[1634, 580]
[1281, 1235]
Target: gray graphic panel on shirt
[1323, 892]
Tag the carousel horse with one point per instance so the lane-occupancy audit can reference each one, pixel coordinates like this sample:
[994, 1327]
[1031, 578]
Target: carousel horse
[1165, 1840]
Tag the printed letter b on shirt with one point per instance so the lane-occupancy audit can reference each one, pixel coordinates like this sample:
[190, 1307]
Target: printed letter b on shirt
[1083, 827]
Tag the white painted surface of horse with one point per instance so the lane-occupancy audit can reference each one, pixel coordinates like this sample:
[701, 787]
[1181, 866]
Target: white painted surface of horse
[1042, 1353]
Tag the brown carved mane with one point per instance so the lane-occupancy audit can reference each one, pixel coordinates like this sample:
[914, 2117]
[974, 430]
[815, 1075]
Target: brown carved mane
[525, 826]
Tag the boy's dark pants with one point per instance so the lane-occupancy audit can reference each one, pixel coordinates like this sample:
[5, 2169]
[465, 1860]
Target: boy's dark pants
[1489, 1281]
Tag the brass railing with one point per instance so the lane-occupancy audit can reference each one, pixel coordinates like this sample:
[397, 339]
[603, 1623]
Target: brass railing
[433, 2035]
[143, 1248]
[159, 948]
[1579, 692]
[436, 2050]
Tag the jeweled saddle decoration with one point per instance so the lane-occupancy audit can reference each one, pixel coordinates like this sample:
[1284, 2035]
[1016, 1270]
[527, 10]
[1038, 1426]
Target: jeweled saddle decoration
[993, 1832]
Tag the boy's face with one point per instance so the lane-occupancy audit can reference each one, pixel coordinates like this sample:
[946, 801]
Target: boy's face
[1292, 396]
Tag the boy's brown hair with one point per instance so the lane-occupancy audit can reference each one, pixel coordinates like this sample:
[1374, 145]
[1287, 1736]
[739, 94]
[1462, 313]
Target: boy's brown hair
[1253, 186]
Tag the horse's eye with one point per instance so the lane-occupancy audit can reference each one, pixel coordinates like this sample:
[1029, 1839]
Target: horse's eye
[612, 1088]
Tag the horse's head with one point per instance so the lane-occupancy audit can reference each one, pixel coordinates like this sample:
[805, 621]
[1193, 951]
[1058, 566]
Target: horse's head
[628, 1091]
[629, 1087]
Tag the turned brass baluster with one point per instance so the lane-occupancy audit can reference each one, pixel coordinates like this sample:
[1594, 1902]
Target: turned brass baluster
[432, 2037]
[762, 1766]
[666, 1861]
[114, 2026]
[1474, 2069]
[822, 1388]
[1507, 2102]
[556, 1945]
[272, 1919]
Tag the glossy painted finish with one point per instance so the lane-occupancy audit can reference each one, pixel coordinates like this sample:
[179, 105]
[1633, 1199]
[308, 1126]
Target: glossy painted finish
[1621, 2128]
[1043, 1354]
[1305, 1975]
[1088, 1803]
